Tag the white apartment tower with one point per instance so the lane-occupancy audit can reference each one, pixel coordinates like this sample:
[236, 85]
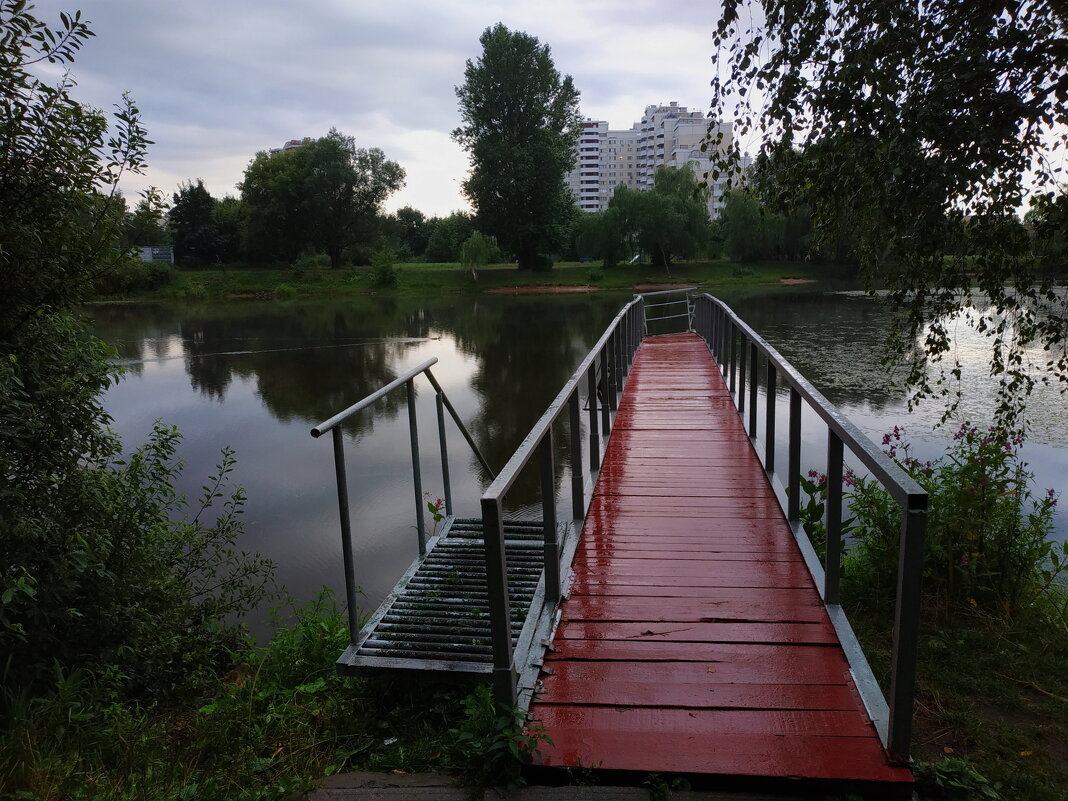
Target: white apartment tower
[667, 135]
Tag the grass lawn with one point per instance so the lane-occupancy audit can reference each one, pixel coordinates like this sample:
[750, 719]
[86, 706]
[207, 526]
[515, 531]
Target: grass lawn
[451, 278]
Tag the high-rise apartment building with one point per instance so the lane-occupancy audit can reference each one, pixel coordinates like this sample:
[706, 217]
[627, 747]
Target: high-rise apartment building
[667, 135]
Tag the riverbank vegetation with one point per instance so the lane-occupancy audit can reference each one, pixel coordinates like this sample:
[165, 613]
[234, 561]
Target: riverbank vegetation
[992, 694]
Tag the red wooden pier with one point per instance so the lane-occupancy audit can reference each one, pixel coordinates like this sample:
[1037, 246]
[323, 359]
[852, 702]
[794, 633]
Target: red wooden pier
[693, 638]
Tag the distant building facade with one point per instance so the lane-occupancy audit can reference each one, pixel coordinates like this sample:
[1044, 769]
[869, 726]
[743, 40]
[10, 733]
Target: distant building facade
[667, 135]
[291, 144]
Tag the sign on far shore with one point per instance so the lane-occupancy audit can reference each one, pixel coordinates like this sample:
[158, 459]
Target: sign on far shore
[157, 253]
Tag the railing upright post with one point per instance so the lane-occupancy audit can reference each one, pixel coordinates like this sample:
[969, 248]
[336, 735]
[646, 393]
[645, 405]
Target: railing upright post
[595, 433]
[906, 626]
[793, 500]
[742, 360]
[578, 483]
[550, 548]
[832, 563]
[346, 535]
[504, 673]
[417, 478]
[754, 370]
[724, 322]
[617, 367]
[447, 484]
[769, 420]
[613, 372]
[732, 355]
[606, 407]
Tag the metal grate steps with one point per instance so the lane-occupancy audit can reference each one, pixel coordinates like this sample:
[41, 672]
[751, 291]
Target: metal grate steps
[437, 618]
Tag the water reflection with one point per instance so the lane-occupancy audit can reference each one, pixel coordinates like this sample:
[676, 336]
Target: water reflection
[258, 376]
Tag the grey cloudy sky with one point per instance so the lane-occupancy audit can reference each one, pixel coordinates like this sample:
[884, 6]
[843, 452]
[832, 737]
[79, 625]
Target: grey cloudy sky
[217, 81]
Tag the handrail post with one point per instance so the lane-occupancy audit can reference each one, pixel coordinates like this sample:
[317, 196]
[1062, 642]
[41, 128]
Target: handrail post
[906, 626]
[732, 355]
[447, 485]
[504, 673]
[606, 409]
[754, 370]
[548, 516]
[743, 358]
[578, 483]
[595, 433]
[413, 429]
[612, 376]
[793, 500]
[346, 534]
[832, 563]
[769, 421]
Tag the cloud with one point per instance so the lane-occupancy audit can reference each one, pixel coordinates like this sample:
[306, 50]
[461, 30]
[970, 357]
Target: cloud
[218, 81]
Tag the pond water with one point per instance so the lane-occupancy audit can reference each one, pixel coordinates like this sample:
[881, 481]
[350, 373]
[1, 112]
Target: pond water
[257, 376]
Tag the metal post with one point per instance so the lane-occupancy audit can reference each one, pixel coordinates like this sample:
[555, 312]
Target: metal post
[578, 495]
[754, 369]
[612, 376]
[346, 535]
[832, 563]
[624, 344]
[742, 361]
[606, 420]
[595, 434]
[793, 500]
[444, 454]
[906, 626]
[732, 355]
[724, 322]
[548, 516]
[504, 673]
[769, 421]
[413, 428]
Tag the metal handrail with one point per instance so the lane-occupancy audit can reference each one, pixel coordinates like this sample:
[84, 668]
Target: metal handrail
[738, 349]
[333, 425]
[687, 299]
[604, 370]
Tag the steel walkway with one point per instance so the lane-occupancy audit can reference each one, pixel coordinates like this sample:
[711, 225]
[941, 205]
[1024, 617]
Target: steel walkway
[693, 638]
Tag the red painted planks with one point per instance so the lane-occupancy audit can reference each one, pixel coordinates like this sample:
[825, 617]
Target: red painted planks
[693, 639]
[718, 632]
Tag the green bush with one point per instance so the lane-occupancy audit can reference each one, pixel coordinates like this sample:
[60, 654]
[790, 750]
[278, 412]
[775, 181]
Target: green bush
[383, 268]
[987, 546]
[285, 292]
[309, 261]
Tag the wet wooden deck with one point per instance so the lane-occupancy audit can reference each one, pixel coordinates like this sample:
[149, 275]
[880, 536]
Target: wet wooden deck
[693, 639]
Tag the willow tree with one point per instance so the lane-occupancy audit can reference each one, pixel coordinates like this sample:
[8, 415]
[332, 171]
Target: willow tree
[520, 126]
[935, 125]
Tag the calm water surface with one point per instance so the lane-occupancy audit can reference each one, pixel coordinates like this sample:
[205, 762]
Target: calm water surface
[258, 376]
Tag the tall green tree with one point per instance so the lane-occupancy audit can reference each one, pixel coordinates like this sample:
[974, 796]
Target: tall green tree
[97, 574]
[193, 225]
[147, 223]
[933, 124]
[447, 236]
[520, 125]
[324, 195]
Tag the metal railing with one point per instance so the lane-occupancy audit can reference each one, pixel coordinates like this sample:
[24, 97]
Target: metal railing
[333, 425]
[670, 307]
[603, 371]
[739, 350]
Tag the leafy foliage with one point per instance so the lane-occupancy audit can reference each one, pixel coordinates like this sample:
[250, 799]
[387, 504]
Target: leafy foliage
[192, 220]
[924, 128]
[60, 166]
[447, 236]
[490, 746]
[478, 251]
[987, 544]
[520, 125]
[324, 194]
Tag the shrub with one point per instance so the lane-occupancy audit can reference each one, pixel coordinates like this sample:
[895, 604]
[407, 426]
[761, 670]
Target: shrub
[987, 546]
[285, 292]
[309, 261]
[383, 268]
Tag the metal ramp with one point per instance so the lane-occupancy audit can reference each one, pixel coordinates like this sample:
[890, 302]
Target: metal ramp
[437, 617]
